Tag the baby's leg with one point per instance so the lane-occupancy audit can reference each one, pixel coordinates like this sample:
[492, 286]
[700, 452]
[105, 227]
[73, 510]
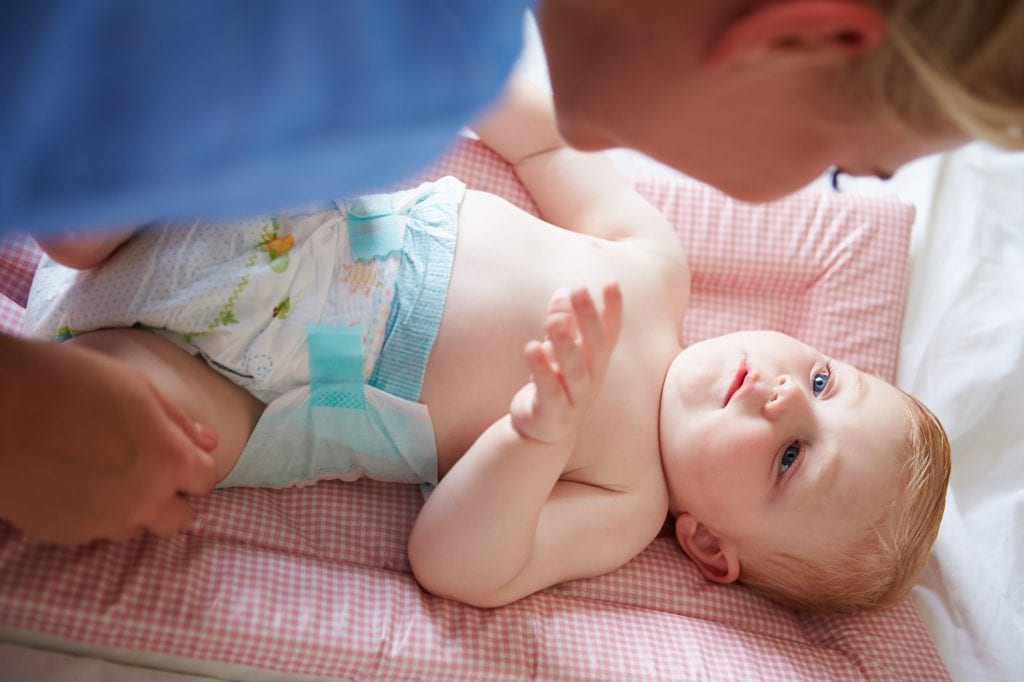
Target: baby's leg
[84, 250]
[202, 393]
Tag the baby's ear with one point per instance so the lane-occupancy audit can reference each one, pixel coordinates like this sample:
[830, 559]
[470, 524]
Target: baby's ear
[716, 561]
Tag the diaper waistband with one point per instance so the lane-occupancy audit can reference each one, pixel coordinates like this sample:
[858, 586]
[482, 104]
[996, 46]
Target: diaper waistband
[421, 288]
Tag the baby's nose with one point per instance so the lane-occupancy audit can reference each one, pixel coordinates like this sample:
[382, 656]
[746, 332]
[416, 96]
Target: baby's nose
[781, 396]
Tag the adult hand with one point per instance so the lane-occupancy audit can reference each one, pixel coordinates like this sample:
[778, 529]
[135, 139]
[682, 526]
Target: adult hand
[89, 449]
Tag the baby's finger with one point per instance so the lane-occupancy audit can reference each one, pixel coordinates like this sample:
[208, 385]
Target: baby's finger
[591, 331]
[572, 367]
[611, 316]
[549, 354]
[561, 301]
[560, 307]
[543, 375]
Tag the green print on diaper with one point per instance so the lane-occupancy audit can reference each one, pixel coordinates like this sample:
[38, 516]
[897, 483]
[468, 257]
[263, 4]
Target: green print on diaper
[64, 333]
[282, 309]
[276, 246]
[227, 313]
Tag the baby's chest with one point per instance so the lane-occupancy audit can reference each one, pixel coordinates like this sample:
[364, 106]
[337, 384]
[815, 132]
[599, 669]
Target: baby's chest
[618, 445]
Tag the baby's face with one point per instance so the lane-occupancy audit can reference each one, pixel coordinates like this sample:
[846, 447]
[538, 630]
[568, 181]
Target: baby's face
[773, 447]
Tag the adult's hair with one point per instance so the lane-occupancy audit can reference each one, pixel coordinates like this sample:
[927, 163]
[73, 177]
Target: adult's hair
[949, 66]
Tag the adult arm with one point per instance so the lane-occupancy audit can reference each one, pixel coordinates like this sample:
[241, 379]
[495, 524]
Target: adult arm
[89, 449]
[121, 112]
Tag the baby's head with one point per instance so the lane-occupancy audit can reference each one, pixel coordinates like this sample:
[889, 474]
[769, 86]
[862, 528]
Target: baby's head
[803, 478]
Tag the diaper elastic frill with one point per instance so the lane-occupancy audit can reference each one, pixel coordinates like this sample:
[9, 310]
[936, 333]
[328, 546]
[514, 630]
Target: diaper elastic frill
[328, 315]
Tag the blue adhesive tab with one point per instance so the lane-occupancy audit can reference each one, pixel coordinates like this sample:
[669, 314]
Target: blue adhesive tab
[336, 366]
[374, 231]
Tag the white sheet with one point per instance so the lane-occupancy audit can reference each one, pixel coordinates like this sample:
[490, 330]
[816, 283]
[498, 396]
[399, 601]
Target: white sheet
[963, 354]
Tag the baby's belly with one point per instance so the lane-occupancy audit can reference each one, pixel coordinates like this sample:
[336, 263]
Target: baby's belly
[507, 265]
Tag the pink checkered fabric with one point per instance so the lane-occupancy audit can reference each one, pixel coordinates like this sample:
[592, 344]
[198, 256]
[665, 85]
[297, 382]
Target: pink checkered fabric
[19, 256]
[827, 268]
[10, 315]
[315, 581]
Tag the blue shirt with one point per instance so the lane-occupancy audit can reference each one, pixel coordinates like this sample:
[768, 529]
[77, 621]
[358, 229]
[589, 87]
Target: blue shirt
[117, 112]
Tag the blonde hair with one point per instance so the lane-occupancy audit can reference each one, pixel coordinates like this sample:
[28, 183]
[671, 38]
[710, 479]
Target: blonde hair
[949, 66]
[881, 567]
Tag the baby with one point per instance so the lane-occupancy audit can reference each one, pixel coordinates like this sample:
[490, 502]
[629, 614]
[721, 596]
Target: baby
[385, 337]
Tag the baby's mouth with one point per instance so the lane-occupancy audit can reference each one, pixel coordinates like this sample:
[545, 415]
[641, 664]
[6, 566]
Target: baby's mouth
[737, 381]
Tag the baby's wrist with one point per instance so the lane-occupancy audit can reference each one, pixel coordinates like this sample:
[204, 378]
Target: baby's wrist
[560, 438]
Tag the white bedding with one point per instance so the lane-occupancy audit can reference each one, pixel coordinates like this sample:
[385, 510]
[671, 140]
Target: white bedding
[963, 353]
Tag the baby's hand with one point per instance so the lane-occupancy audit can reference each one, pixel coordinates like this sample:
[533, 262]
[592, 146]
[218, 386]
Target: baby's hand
[569, 366]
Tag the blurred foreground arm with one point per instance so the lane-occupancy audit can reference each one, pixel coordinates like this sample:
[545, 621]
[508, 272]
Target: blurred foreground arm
[89, 449]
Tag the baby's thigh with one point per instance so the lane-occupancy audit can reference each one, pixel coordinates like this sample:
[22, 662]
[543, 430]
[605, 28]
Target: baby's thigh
[199, 391]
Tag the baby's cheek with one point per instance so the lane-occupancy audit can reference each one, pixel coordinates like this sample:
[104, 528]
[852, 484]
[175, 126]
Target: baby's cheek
[741, 450]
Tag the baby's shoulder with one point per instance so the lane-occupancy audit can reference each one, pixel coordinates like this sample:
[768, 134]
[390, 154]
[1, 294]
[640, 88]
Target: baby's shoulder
[658, 260]
[655, 293]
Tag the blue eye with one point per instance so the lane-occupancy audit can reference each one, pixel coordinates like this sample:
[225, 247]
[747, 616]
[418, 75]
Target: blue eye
[788, 458]
[821, 379]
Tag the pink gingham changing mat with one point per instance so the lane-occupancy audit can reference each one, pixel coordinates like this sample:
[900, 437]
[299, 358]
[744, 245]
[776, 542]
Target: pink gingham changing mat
[315, 581]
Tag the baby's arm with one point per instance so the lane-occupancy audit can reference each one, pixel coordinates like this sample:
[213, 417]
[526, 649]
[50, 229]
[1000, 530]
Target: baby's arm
[501, 524]
[575, 190]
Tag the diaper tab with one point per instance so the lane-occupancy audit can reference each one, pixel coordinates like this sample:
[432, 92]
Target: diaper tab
[374, 230]
[336, 366]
